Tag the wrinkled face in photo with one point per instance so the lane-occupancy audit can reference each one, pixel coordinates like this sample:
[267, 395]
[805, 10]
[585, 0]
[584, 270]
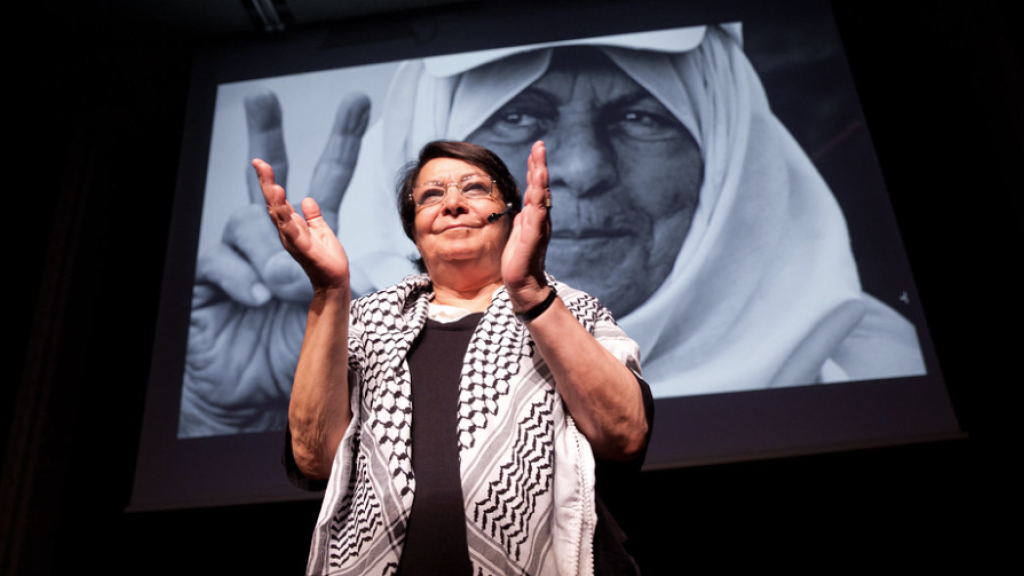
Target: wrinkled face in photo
[625, 174]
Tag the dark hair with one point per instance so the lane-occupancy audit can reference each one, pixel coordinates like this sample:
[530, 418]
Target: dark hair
[478, 156]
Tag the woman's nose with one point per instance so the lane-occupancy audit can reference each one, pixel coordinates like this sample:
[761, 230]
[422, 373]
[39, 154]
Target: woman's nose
[580, 161]
[453, 202]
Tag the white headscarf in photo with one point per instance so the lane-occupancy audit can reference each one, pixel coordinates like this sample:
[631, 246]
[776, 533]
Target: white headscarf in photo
[764, 291]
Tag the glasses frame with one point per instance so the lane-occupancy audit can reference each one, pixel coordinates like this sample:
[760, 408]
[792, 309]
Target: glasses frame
[460, 185]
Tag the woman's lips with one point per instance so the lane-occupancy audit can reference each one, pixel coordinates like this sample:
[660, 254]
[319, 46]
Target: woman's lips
[457, 226]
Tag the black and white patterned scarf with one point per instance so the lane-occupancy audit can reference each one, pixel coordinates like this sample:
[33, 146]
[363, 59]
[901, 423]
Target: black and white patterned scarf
[527, 472]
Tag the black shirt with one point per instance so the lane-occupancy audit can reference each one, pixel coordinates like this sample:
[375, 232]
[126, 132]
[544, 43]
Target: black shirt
[435, 537]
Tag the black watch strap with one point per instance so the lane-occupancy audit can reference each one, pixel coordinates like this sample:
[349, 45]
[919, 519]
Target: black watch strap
[539, 309]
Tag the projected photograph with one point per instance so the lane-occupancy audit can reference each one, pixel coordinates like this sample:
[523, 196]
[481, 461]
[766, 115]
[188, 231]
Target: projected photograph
[735, 244]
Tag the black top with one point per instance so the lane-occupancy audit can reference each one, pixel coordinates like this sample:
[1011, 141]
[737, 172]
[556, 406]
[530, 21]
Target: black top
[435, 538]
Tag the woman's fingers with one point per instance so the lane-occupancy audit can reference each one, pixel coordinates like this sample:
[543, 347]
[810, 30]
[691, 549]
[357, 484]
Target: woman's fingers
[307, 238]
[537, 200]
[523, 261]
[282, 214]
[279, 269]
[311, 210]
[537, 192]
[273, 194]
[266, 182]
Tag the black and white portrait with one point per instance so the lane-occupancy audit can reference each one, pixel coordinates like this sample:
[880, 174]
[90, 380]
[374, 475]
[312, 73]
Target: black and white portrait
[679, 199]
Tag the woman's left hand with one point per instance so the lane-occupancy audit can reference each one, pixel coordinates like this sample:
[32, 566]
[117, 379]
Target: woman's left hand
[600, 392]
[522, 263]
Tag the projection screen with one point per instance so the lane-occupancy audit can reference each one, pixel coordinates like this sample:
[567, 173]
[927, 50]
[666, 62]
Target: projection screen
[772, 300]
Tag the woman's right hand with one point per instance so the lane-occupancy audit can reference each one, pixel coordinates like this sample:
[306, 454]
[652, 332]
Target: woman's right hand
[309, 239]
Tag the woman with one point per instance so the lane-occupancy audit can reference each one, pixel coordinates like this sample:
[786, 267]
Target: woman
[548, 383]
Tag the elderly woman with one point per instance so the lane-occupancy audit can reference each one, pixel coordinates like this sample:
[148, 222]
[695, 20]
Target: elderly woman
[684, 204]
[458, 414]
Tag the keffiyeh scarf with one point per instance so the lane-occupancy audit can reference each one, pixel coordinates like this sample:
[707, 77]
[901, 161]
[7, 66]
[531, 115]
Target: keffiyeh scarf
[527, 472]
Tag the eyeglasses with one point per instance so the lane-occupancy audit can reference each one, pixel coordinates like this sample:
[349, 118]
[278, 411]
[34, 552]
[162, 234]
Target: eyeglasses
[472, 187]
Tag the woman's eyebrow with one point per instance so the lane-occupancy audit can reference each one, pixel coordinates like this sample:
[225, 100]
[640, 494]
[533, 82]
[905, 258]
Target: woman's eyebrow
[461, 178]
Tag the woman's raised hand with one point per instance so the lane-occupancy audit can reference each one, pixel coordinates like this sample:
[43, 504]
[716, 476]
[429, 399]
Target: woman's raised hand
[307, 237]
[522, 264]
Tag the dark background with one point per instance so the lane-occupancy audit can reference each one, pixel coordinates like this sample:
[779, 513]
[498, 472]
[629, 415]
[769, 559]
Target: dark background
[98, 113]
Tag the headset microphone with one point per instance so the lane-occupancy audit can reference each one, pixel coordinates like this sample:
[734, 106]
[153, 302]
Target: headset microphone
[495, 216]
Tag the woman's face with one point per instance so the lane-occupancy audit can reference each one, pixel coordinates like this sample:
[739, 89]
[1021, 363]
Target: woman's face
[456, 230]
[625, 176]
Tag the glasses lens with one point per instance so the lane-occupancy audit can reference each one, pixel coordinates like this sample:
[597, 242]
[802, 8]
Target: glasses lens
[428, 194]
[471, 187]
[475, 188]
